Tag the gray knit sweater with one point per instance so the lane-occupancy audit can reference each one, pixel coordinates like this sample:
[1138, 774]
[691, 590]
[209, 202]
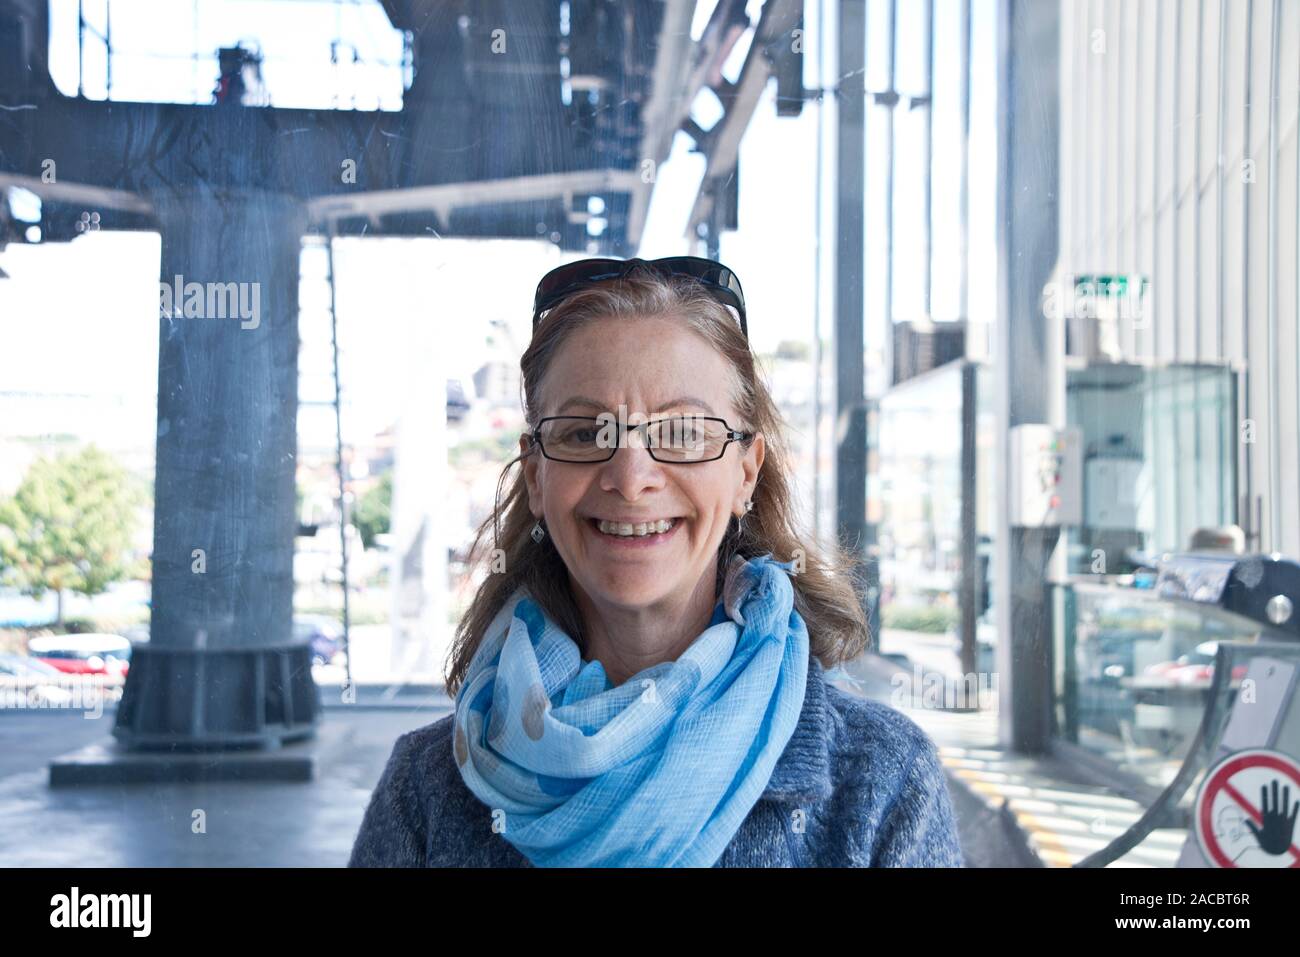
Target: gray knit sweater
[858, 785]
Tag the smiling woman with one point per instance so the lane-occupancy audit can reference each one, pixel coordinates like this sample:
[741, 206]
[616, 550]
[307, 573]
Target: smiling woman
[640, 681]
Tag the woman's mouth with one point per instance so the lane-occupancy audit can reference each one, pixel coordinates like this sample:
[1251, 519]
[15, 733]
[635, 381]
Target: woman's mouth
[634, 534]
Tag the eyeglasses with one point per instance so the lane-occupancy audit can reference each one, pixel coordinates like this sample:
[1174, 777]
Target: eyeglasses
[679, 439]
[565, 280]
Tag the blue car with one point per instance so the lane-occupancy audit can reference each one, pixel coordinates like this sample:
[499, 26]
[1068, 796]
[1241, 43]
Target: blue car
[324, 634]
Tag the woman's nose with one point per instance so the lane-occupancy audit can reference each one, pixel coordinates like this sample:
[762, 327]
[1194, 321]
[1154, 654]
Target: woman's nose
[631, 469]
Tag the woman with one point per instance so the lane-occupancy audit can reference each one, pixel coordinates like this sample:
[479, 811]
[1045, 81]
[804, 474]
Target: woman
[639, 681]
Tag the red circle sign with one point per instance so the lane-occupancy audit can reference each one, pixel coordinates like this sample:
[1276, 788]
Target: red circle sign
[1226, 809]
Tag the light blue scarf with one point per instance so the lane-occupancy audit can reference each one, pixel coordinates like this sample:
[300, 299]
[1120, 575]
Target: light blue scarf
[659, 771]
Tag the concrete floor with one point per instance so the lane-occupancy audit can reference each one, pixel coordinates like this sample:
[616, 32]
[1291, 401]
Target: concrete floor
[264, 824]
[310, 824]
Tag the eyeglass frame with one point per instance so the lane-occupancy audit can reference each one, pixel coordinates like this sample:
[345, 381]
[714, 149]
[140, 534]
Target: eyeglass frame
[729, 293]
[733, 435]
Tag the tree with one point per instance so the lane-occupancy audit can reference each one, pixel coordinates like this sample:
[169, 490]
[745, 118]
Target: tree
[68, 526]
[373, 513]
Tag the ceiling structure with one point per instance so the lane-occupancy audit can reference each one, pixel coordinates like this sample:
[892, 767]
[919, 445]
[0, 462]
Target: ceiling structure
[485, 145]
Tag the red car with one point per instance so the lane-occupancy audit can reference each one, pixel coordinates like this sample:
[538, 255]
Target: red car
[1194, 668]
[83, 654]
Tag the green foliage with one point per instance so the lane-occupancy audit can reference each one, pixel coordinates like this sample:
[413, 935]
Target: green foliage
[373, 514]
[499, 447]
[1111, 621]
[358, 614]
[935, 619]
[793, 349]
[68, 526]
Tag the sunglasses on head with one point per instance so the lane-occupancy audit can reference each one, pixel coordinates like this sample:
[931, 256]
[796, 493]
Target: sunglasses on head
[565, 280]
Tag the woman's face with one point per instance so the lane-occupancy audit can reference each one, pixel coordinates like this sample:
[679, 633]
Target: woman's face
[651, 367]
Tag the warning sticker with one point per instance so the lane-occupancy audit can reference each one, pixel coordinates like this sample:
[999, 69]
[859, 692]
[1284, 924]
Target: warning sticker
[1246, 810]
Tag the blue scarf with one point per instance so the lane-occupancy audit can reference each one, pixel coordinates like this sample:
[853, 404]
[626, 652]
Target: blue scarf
[659, 771]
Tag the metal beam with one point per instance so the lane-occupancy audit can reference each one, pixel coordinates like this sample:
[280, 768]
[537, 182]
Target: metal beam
[850, 400]
[92, 197]
[1028, 354]
[444, 198]
[669, 104]
[778, 17]
[441, 200]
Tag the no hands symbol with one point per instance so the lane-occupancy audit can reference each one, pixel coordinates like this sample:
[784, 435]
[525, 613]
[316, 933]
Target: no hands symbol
[1246, 810]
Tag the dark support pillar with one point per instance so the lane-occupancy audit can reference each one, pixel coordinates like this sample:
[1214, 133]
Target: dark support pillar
[850, 404]
[1028, 355]
[969, 584]
[221, 667]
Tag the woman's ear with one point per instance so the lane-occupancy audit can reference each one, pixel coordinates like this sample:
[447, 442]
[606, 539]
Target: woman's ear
[751, 463]
[530, 461]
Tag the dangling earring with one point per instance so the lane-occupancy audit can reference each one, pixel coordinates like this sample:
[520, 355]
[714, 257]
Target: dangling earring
[740, 519]
[538, 532]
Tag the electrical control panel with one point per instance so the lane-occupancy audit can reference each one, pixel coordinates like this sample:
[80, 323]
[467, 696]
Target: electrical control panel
[1046, 486]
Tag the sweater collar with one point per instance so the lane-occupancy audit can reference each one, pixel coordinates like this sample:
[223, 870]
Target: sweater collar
[803, 772]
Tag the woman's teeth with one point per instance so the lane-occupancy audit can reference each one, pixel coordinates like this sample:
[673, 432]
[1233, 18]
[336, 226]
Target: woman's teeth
[638, 530]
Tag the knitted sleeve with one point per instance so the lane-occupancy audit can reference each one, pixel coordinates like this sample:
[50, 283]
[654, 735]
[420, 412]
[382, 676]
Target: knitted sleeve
[392, 831]
[920, 828]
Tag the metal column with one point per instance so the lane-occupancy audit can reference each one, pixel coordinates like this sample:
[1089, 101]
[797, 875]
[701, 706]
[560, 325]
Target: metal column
[1029, 357]
[850, 385]
[222, 667]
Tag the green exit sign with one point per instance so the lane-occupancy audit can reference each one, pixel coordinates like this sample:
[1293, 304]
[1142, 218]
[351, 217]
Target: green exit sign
[1114, 286]
[1097, 297]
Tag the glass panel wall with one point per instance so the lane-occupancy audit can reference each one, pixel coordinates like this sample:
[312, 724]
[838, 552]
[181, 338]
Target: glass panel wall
[1158, 464]
[1158, 460]
[938, 475]
[1139, 675]
[920, 484]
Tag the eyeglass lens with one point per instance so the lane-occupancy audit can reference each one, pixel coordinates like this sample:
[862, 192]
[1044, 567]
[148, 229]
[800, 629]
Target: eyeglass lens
[682, 438]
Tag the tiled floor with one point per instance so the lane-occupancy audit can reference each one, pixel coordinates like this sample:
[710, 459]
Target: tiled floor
[1065, 815]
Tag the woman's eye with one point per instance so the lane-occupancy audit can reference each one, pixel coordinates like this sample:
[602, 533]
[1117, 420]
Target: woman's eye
[678, 433]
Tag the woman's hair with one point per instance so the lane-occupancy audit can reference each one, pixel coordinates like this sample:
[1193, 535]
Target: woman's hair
[824, 584]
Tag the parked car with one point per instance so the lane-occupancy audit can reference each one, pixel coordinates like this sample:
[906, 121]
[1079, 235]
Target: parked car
[1196, 667]
[323, 633]
[93, 654]
[40, 683]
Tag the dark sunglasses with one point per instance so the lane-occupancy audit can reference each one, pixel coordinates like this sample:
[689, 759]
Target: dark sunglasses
[565, 280]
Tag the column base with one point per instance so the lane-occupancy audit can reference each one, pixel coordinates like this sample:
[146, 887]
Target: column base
[217, 698]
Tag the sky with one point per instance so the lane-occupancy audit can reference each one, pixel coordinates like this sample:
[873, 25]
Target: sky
[96, 337]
